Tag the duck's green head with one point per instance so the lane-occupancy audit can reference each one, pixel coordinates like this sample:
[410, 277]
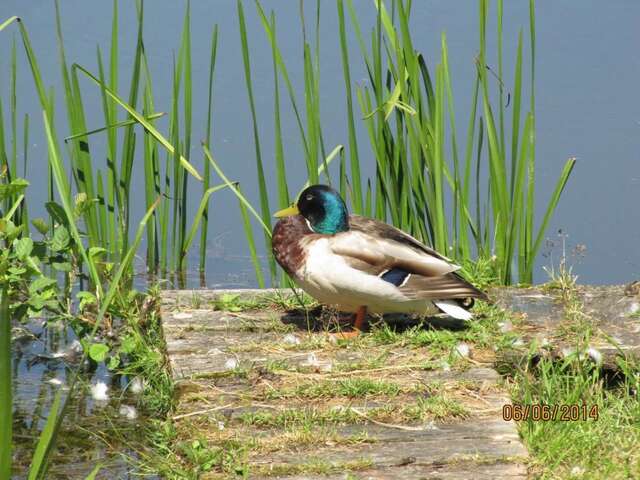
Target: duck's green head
[323, 207]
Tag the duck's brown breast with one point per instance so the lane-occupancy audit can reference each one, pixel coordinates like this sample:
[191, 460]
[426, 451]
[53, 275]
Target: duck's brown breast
[287, 245]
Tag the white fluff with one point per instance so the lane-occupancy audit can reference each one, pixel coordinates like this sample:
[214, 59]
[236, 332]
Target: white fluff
[128, 412]
[312, 360]
[136, 385]
[291, 339]
[577, 471]
[231, 364]
[595, 355]
[463, 350]
[453, 309]
[99, 391]
[505, 326]
[75, 346]
[444, 366]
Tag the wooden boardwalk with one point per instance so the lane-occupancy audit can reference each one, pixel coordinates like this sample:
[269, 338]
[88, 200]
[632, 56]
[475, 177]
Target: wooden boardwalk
[311, 408]
[271, 384]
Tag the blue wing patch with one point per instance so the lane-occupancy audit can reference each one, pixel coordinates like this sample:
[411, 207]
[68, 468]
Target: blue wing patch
[395, 276]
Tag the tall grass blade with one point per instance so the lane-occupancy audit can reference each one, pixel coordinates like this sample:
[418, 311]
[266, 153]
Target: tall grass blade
[64, 192]
[248, 231]
[262, 186]
[14, 112]
[205, 185]
[551, 206]
[237, 192]
[124, 123]
[8, 22]
[515, 122]
[198, 218]
[356, 182]
[39, 461]
[285, 75]
[187, 115]
[151, 174]
[142, 121]
[79, 149]
[6, 398]
[281, 175]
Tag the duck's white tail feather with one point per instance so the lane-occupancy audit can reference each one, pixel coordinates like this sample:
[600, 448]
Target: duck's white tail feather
[453, 309]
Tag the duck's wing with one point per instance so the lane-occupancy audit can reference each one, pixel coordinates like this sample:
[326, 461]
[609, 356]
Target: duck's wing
[381, 245]
[389, 232]
[418, 271]
[447, 286]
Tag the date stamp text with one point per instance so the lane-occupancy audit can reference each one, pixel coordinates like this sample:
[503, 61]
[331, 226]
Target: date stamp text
[548, 413]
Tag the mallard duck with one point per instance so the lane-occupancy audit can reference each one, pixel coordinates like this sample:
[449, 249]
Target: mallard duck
[359, 264]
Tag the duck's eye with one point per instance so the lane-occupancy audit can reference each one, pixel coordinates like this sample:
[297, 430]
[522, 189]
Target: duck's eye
[309, 197]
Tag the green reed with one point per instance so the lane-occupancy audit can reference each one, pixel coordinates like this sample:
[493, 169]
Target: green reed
[429, 181]
[81, 183]
[109, 183]
[6, 410]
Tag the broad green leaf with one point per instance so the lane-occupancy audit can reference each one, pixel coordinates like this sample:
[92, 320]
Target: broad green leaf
[114, 362]
[41, 225]
[86, 298]
[98, 352]
[23, 247]
[61, 238]
[61, 266]
[16, 187]
[94, 252]
[128, 344]
[41, 283]
[57, 212]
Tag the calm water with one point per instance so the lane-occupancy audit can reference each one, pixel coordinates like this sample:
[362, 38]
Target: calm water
[588, 70]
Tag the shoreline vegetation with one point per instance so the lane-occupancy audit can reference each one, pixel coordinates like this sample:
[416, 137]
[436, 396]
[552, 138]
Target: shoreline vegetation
[470, 195]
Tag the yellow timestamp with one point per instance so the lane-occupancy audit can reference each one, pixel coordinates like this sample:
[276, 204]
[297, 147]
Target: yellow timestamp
[547, 413]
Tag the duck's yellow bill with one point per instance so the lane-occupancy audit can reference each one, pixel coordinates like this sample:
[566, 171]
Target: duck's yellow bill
[287, 212]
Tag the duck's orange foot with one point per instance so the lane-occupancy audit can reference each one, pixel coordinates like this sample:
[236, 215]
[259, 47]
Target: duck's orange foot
[350, 335]
[360, 316]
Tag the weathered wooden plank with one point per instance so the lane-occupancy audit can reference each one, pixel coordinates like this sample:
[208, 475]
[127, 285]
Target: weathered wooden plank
[207, 347]
[612, 312]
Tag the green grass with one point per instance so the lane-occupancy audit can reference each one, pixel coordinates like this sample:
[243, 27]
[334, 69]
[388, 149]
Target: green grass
[351, 387]
[586, 448]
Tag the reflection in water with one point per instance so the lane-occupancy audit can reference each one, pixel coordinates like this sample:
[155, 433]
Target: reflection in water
[93, 432]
